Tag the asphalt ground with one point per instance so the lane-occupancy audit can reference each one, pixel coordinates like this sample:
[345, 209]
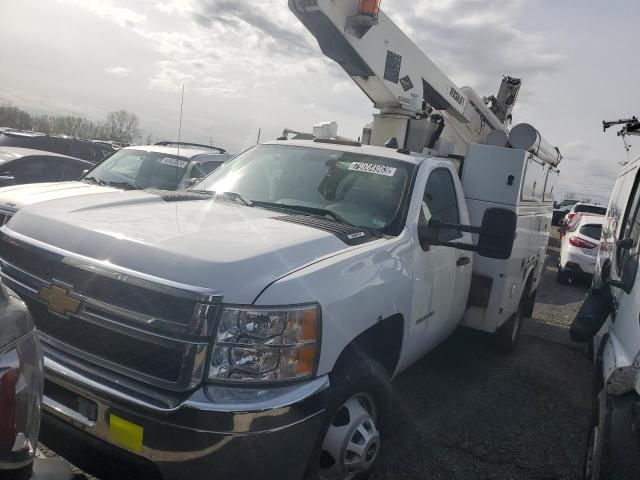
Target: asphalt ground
[468, 412]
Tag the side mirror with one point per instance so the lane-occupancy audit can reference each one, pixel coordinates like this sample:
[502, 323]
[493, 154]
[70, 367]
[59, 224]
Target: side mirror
[498, 232]
[495, 236]
[6, 180]
[629, 271]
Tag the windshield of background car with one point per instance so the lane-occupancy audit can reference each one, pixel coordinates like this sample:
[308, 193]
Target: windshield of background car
[366, 191]
[592, 231]
[142, 169]
[591, 209]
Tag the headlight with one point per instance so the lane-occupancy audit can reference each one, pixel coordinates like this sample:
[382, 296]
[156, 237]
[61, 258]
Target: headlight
[266, 344]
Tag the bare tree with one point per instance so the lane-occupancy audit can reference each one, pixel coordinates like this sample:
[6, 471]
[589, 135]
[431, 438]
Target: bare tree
[122, 126]
[13, 117]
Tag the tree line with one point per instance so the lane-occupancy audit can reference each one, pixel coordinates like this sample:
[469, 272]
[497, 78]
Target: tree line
[118, 126]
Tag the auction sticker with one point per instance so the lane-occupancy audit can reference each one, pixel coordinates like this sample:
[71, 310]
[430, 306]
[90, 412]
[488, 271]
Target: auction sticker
[373, 168]
[174, 162]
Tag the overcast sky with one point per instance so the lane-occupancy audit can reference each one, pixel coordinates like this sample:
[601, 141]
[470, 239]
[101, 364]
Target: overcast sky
[248, 64]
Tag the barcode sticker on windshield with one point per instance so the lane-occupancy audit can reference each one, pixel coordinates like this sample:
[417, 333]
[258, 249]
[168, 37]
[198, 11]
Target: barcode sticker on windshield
[373, 168]
[174, 162]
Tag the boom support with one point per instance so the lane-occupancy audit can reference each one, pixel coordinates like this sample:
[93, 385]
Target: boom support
[401, 81]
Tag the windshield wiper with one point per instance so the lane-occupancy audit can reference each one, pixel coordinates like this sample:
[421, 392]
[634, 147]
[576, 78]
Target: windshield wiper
[236, 197]
[124, 185]
[322, 212]
[94, 180]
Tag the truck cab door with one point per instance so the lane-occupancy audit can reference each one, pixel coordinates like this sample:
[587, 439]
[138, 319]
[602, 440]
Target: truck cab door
[441, 274]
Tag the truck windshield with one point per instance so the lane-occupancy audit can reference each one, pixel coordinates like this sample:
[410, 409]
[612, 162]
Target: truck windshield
[362, 190]
[141, 169]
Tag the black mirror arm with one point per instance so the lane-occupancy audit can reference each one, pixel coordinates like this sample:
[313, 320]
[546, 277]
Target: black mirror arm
[452, 226]
[460, 246]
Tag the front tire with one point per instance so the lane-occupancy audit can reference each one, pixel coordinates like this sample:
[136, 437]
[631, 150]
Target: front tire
[358, 408]
[612, 452]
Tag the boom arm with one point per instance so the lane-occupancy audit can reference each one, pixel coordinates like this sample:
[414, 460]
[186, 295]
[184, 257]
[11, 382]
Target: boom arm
[396, 75]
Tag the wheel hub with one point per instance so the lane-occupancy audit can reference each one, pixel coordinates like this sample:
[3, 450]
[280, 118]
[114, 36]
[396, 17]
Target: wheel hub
[352, 442]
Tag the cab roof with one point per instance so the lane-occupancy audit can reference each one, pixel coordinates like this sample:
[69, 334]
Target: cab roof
[413, 158]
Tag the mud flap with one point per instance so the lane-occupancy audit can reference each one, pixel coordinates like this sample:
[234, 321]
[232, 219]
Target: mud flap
[594, 312]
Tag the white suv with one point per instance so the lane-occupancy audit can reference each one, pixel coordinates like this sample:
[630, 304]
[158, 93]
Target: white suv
[579, 248]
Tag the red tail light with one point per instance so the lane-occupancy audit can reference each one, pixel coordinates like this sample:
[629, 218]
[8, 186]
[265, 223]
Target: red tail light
[370, 8]
[570, 216]
[580, 243]
[7, 411]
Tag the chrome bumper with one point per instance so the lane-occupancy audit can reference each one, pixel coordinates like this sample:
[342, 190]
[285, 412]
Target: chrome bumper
[238, 432]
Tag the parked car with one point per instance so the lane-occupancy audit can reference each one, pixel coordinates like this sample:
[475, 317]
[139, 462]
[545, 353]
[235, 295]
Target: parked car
[608, 323]
[164, 166]
[21, 384]
[151, 166]
[73, 147]
[560, 211]
[23, 165]
[586, 208]
[579, 248]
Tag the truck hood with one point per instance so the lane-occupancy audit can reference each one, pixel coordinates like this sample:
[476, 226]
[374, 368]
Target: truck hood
[19, 196]
[207, 243]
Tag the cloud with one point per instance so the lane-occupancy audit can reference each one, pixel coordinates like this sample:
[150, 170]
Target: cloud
[170, 77]
[240, 55]
[121, 72]
[107, 9]
[477, 41]
[260, 17]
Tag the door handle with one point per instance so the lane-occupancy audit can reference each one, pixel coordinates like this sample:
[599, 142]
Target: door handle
[462, 261]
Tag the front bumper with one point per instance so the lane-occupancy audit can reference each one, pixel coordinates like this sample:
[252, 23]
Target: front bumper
[241, 433]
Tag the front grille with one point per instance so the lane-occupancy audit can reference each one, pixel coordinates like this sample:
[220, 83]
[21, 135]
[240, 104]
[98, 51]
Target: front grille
[108, 290]
[134, 327]
[150, 359]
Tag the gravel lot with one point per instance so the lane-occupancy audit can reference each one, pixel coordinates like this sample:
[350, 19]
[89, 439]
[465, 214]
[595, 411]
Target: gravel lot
[467, 412]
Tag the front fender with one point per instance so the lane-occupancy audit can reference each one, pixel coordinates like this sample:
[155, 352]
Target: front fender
[620, 371]
[355, 289]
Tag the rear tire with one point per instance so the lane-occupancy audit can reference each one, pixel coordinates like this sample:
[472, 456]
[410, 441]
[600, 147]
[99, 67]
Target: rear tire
[563, 276]
[358, 409]
[508, 335]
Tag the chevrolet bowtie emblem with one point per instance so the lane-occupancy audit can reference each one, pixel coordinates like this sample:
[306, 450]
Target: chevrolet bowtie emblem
[59, 301]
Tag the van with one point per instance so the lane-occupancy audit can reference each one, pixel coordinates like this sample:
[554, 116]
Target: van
[609, 322]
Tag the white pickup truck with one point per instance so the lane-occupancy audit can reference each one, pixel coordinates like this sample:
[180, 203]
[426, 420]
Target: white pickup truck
[250, 329]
